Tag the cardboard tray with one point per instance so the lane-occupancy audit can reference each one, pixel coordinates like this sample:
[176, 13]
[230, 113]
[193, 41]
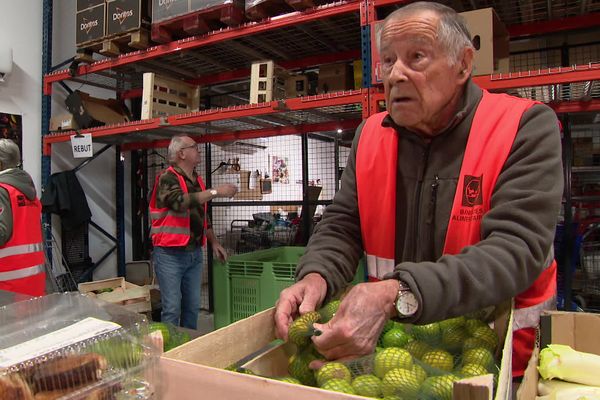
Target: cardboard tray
[197, 367]
[578, 330]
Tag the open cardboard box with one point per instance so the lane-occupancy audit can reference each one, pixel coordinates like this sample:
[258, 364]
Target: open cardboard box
[195, 369]
[578, 330]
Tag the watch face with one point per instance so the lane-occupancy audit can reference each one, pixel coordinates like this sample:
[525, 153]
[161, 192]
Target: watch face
[407, 304]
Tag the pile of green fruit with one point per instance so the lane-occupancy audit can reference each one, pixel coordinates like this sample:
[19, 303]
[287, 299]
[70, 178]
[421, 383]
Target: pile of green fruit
[414, 362]
[172, 337]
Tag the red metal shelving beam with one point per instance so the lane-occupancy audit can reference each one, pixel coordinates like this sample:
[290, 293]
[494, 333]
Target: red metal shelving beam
[295, 18]
[296, 104]
[575, 106]
[541, 77]
[110, 130]
[254, 134]
[555, 25]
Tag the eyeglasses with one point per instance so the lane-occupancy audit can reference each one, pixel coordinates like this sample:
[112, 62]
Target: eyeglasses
[196, 145]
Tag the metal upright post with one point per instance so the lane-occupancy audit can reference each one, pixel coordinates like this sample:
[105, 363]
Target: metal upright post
[569, 236]
[120, 211]
[306, 215]
[209, 256]
[47, 12]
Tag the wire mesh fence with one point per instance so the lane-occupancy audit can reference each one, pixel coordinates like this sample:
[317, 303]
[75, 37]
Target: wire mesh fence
[272, 175]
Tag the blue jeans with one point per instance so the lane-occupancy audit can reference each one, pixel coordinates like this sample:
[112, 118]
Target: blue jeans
[179, 273]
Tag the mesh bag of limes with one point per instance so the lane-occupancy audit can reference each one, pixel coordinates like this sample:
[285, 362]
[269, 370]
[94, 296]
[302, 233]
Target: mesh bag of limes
[171, 336]
[411, 362]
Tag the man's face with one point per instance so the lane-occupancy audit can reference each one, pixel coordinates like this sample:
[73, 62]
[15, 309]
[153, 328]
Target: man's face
[189, 153]
[421, 86]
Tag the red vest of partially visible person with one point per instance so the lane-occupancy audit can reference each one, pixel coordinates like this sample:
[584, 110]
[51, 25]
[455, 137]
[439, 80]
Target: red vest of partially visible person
[492, 134]
[172, 228]
[22, 257]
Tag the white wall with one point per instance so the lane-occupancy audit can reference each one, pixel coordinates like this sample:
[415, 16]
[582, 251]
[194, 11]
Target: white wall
[98, 177]
[21, 28]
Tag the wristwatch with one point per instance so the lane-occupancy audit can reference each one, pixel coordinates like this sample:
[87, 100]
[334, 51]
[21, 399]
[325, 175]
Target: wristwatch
[213, 192]
[406, 302]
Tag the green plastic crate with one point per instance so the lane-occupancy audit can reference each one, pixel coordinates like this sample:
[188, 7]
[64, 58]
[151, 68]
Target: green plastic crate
[251, 282]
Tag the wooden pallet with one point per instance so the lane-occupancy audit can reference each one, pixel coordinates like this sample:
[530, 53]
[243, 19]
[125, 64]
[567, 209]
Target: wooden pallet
[270, 8]
[115, 45]
[197, 22]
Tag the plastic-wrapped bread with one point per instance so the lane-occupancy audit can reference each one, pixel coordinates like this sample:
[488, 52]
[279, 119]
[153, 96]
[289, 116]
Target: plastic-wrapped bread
[69, 372]
[103, 393]
[13, 387]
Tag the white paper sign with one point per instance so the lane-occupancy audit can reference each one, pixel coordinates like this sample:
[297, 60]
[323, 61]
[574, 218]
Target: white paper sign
[82, 145]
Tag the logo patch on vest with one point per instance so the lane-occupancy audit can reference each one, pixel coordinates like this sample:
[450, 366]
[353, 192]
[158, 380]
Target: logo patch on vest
[472, 191]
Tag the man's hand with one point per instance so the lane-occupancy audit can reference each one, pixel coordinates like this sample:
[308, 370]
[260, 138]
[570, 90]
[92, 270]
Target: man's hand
[300, 298]
[354, 329]
[219, 252]
[227, 190]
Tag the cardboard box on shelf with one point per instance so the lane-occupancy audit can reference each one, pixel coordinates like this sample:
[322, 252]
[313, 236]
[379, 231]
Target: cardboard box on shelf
[164, 10]
[267, 82]
[296, 86]
[198, 365]
[490, 38]
[335, 77]
[162, 96]
[90, 24]
[63, 122]
[126, 15]
[90, 111]
[575, 329]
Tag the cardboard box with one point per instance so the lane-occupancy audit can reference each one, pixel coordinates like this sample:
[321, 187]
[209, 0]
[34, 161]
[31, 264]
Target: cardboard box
[133, 297]
[126, 15]
[296, 86]
[90, 111]
[90, 24]
[578, 330]
[83, 4]
[491, 41]
[335, 77]
[197, 367]
[63, 122]
[162, 96]
[164, 10]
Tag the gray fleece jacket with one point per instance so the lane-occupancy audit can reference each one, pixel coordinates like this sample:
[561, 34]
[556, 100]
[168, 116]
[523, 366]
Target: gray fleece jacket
[517, 232]
[22, 181]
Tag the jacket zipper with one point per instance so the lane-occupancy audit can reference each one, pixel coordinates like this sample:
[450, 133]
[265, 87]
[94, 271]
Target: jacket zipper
[432, 210]
[416, 242]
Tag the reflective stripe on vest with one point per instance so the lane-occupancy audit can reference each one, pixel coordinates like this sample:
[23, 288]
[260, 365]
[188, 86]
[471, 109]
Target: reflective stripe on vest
[20, 249]
[379, 266]
[170, 229]
[22, 256]
[162, 214]
[21, 273]
[529, 317]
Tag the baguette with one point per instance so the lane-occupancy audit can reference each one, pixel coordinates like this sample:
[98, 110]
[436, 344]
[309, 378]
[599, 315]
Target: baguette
[13, 387]
[68, 372]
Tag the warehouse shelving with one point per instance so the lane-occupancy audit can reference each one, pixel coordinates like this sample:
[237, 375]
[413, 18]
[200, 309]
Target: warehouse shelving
[339, 31]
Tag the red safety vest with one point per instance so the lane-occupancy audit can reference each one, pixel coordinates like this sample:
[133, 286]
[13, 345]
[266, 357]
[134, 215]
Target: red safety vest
[492, 134]
[22, 257]
[172, 228]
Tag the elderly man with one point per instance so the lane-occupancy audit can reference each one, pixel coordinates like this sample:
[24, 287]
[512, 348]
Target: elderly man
[21, 245]
[180, 228]
[453, 194]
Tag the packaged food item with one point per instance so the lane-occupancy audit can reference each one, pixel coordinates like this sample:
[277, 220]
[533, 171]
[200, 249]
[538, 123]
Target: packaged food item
[69, 346]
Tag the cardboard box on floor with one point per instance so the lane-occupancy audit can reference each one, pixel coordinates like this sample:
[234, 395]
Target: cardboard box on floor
[578, 330]
[197, 367]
